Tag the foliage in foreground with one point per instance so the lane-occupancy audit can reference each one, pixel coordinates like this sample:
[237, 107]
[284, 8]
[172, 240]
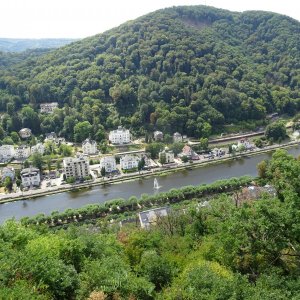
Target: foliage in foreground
[222, 251]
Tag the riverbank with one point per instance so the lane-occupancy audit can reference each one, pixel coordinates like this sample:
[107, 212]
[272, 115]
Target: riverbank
[145, 174]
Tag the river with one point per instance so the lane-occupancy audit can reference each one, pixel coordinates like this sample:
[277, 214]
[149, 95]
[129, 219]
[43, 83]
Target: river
[100, 194]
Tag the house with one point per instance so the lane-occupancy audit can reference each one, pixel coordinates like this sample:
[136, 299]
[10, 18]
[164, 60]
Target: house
[109, 163]
[30, 177]
[169, 154]
[89, 147]
[48, 108]
[189, 153]
[7, 152]
[151, 216]
[52, 137]
[177, 137]
[22, 152]
[7, 172]
[254, 192]
[25, 133]
[77, 167]
[129, 162]
[245, 143]
[38, 148]
[158, 135]
[120, 136]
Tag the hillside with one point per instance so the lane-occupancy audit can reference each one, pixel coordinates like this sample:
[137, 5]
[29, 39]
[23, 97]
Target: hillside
[187, 69]
[19, 45]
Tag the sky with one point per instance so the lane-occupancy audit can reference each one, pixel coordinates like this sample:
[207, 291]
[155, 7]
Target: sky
[83, 18]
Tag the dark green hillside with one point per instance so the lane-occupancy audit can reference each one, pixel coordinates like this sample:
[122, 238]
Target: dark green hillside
[187, 69]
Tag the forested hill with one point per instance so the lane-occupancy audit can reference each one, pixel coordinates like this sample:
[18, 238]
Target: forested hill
[189, 69]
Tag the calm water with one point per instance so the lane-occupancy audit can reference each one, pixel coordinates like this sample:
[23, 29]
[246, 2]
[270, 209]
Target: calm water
[100, 194]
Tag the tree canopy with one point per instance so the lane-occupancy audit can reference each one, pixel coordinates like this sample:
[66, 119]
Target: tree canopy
[186, 69]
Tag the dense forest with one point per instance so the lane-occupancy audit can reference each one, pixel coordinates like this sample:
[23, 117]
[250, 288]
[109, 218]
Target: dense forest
[186, 69]
[224, 250]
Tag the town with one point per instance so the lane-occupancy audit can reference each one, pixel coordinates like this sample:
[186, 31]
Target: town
[24, 165]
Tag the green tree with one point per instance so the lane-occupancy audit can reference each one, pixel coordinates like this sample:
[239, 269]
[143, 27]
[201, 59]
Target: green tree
[154, 149]
[15, 137]
[262, 169]
[82, 130]
[65, 150]
[37, 160]
[141, 164]
[8, 184]
[70, 180]
[276, 131]
[204, 143]
[162, 158]
[184, 159]
[103, 172]
[156, 269]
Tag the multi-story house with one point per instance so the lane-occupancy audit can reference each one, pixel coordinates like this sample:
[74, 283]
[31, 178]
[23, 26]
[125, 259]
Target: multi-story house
[109, 163]
[7, 152]
[7, 172]
[128, 162]
[22, 152]
[77, 167]
[52, 137]
[169, 154]
[120, 136]
[30, 177]
[189, 153]
[89, 147]
[38, 148]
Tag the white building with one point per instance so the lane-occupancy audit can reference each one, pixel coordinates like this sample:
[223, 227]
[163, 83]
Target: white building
[48, 108]
[245, 143]
[77, 167]
[22, 152]
[7, 172]
[109, 163]
[158, 135]
[7, 152]
[52, 137]
[120, 136]
[38, 148]
[89, 147]
[150, 217]
[25, 133]
[30, 177]
[169, 154]
[218, 152]
[177, 137]
[128, 162]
